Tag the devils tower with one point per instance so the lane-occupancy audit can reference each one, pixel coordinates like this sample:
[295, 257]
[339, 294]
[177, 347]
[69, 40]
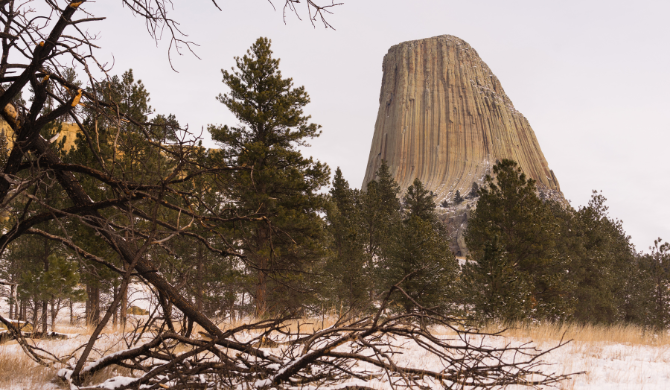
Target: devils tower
[444, 118]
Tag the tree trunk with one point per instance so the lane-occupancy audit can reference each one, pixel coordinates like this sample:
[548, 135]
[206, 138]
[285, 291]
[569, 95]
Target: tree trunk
[45, 303]
[45, 315]
[261, 288]
[115, 315]
[123, 305]
[262, 240]
[87, 312]
[95, 306]
[35, 318]
[92, 305]
[12, 303]
[232, 305]
[167, 310]
[198, 284]
[54, 313]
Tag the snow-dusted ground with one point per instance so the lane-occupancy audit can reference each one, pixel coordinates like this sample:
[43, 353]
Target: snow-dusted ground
[139, 295]
[607, 366]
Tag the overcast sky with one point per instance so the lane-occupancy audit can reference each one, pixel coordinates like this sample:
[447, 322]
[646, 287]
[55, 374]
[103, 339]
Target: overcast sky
[590, 76]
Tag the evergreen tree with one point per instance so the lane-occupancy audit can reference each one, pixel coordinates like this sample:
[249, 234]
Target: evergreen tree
[380, 210]
[43, 269]
[381, 218]
[283, 186]
[656, 267]
[419, 202]
[119, 146]
[458, 199]
[419, 255]
[53, 284]
[474, 192]
[639, 306]
[600, 260]
[513, 229]
[347, 263]
[494, 287]
[384, 192]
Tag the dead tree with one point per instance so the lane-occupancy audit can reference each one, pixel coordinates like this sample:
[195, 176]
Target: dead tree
[268, 354]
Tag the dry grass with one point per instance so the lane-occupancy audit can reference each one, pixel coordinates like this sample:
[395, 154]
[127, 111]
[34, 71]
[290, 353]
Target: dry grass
[18, 371]
[592, 346]
[305, 325]
[589, 334]
[537, 332]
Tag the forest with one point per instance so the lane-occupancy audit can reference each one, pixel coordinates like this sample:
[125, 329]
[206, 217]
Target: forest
[253, 232]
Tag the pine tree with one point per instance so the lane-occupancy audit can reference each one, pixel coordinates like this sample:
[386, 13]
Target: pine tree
[510, 215]
[659, 264]
[283, 186]
[474, 192]
[381, 219]
[348, 259]
[458, 199]
[118, 147]
[385, 190]
[601, 263]
[380, 210]
[654, 289]
[419, 255]
[639, 304]
[419, 202]
[494, 287]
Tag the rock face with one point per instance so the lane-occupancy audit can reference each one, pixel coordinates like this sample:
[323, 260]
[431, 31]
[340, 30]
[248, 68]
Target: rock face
[68, 131]
[445, 118]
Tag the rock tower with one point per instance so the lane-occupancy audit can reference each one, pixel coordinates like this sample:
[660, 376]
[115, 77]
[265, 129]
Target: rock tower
[445, 118]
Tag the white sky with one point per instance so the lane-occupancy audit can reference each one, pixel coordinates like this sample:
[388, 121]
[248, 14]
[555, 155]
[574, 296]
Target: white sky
[590, 76]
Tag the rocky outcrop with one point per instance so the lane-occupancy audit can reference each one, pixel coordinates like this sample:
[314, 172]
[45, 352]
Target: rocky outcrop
[444, 118]
[67, 130]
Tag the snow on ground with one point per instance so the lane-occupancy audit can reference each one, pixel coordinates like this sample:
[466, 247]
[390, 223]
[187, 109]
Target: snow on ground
[28, 375]
[607, 366]
[612, 366]
[139, 296]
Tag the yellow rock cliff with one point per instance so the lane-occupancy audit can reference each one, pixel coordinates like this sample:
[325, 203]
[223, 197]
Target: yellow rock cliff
[444, 118]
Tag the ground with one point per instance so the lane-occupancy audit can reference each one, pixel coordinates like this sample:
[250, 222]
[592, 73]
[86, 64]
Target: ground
[611, 358]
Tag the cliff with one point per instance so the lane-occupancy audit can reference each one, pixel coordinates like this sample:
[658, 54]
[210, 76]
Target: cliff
[445, 118]
[68, 131]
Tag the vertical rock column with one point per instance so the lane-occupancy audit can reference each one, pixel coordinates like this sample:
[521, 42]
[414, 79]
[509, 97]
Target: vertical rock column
[444, 118]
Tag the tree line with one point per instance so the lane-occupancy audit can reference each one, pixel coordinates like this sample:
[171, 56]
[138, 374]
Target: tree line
[530, 258]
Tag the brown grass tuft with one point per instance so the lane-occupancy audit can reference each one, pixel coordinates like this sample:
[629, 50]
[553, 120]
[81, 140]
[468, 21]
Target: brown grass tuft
[590, 334]
[18, 371]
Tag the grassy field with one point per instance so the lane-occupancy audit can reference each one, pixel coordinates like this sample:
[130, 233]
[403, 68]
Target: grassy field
[611, 357]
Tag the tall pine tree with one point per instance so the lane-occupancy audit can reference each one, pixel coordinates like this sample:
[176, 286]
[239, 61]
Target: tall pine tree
[511, 237]
[283, 187]
[380, 219]
[418, 255]
[601, 264]
[348, 261]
